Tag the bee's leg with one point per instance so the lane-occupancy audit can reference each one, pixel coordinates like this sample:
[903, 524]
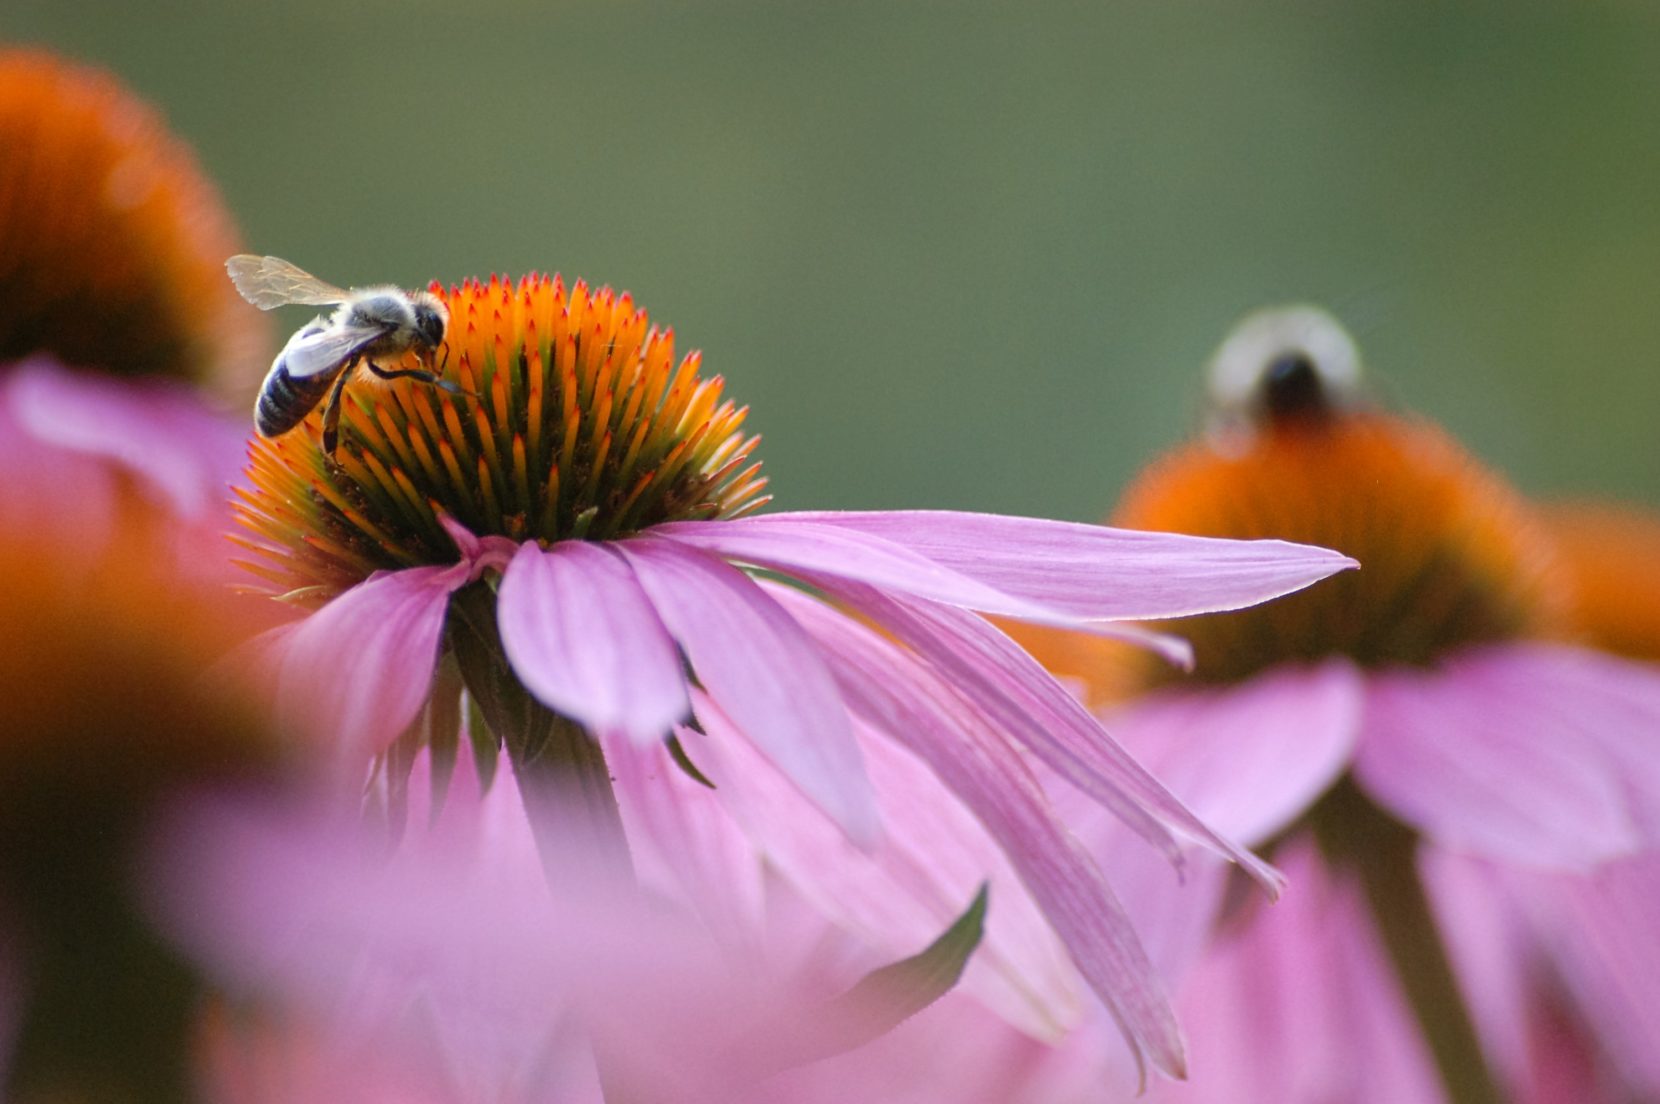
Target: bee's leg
[331, 409]
[420, 374]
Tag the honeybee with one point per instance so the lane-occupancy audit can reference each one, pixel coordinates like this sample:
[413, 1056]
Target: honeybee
[370, 324]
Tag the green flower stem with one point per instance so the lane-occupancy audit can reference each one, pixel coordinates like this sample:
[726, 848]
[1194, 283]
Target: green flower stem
[560, 768]
[1356, 835]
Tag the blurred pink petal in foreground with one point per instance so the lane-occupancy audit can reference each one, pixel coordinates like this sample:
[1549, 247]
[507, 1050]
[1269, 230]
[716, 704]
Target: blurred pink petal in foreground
[449, 972]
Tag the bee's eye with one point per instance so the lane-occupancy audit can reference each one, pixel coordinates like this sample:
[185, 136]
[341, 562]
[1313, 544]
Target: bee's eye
[1292, 385]
[430, 324]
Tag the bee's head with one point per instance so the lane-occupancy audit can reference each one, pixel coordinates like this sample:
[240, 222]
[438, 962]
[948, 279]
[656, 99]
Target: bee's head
[431, 319]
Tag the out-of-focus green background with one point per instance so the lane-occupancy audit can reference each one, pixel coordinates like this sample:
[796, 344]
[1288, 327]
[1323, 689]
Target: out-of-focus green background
[975, 256]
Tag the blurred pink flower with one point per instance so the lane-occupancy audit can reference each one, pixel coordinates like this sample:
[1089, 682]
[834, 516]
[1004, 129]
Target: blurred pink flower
[618, 586]
[449, 972]
[114, 320]
[1421, 746]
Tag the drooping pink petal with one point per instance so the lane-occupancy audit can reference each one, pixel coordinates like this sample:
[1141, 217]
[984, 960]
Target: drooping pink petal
[1518, 753]
[1600, 933]
[932, 857]
[1615, 703]
[1047, 571]
[838, 558]
[1489, 946]
[185, 452]
[1298, 1003]
[763, 671]
[1014, 690]
[1175, 912]
[356, 671]
[682, 840]
[1249, 759]
[1573, 956]
[584, 639]
[898, 695]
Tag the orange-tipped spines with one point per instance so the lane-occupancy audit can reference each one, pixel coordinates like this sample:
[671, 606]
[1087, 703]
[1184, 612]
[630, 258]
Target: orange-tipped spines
[578, 421]
[1450, 554]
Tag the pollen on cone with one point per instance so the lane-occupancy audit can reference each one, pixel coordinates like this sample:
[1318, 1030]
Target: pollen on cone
[574, 420]
[1449, 554]
[112, 242]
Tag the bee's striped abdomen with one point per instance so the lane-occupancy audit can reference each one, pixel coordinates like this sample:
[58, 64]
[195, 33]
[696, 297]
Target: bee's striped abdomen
[284, 400]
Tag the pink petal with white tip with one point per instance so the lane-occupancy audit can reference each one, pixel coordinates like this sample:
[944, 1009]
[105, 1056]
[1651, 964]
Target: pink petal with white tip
[583, 637]
[64, 493]
[763, 671]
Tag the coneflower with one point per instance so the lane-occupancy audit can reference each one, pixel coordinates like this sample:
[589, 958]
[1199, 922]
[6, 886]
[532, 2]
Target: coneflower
[573, 540]
[1430, 713]
[114, 316]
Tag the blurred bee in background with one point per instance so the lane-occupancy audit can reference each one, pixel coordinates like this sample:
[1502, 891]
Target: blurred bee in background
[370, 324]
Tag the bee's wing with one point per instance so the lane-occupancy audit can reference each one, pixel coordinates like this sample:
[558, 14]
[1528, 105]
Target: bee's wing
[322, 348]
[268, 282]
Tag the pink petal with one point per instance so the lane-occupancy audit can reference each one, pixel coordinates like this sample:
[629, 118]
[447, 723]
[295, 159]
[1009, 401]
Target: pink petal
[899, 696]
[1014, 691]
[1494, 953]
[1251, 758]
[1521, 754]
[683, 842]
[933, 854]
[843, 558]
[162, 432]
[485, 985]
[585, 640]
[480, 553]
[760, 667]
[1591, 935]
[68, 495]
[1175, 913]
[357, 670]
[1601, 931]
[1043, 570]
[1299, 1003]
